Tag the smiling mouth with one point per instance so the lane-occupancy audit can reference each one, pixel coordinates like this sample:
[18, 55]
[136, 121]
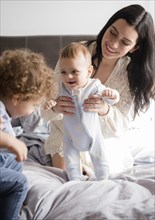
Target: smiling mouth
[109, 49]
[71, 83]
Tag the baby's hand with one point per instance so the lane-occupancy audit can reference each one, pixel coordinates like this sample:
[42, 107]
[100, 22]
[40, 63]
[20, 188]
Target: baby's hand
[49, 104]
[109, 93]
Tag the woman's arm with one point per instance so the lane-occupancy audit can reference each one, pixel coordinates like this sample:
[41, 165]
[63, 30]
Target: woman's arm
[54, 144]
[114, 119]
[58, 161]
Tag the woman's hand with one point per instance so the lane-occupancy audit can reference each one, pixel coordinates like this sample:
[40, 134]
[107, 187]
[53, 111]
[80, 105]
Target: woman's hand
[96, 104]
[64, 105]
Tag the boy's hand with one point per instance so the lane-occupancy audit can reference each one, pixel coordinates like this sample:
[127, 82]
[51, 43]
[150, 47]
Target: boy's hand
[14, 145]
[19, 149]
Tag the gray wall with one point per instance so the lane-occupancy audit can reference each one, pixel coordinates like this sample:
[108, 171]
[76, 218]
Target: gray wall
[48, 17]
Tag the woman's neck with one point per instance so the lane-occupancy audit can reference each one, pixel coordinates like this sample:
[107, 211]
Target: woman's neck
[109, 62]
[105, 69]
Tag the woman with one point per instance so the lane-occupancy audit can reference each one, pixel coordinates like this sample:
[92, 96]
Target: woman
[122, 56]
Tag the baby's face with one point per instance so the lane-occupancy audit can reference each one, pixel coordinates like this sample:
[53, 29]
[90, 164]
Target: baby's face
[74, 72]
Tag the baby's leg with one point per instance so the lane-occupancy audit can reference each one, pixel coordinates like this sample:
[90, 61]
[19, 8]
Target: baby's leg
[72, 161]
[101, 168]
[99, 159]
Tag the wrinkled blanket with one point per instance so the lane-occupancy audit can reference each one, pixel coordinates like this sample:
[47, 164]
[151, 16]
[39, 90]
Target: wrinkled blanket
[130, 195]
[126, 196]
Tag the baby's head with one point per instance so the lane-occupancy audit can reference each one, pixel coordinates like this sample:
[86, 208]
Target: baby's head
[25, 81]
[75, 65]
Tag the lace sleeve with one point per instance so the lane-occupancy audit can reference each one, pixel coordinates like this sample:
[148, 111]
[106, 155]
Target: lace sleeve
[119, 115]
[54, 143]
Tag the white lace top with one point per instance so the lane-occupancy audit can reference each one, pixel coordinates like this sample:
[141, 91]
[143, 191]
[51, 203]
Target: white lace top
[117, 120]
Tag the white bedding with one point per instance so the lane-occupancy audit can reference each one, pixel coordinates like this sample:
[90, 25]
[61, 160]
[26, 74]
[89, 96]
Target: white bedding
[126, 196]
[129, 196]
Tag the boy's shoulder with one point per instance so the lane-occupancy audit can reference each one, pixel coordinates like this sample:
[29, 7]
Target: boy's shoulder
[7, 120]
[2, 109]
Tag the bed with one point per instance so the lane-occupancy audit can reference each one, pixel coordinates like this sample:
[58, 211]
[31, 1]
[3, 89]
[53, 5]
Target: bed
[126, 195]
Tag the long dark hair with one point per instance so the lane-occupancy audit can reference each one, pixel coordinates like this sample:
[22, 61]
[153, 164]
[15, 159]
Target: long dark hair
[141, 69]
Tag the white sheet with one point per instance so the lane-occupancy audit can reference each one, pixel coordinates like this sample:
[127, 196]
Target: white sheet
[126, 196]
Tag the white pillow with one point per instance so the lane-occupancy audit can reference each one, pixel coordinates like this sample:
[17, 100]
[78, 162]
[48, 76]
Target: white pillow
[141, 144]
[118, 155]
[141, 137]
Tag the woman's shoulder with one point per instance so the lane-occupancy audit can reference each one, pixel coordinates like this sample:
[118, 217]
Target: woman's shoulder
[119, 79]
[121, 67]
[123, 62]
[91, 47]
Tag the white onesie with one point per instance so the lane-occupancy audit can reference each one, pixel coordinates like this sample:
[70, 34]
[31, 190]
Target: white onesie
[82, 132]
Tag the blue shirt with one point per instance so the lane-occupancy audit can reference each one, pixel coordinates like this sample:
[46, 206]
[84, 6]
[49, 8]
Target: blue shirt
[7, 127]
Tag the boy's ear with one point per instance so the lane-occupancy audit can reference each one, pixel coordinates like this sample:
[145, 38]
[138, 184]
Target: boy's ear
[90, 70]
[15, 99]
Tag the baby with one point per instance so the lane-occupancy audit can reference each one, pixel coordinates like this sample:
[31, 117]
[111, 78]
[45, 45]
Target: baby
[82, 130]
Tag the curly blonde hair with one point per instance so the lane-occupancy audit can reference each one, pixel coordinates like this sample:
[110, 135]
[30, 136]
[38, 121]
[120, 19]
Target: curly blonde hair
[27, 74]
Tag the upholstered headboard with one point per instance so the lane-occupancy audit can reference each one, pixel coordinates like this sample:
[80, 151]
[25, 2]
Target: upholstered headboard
[49, 46]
